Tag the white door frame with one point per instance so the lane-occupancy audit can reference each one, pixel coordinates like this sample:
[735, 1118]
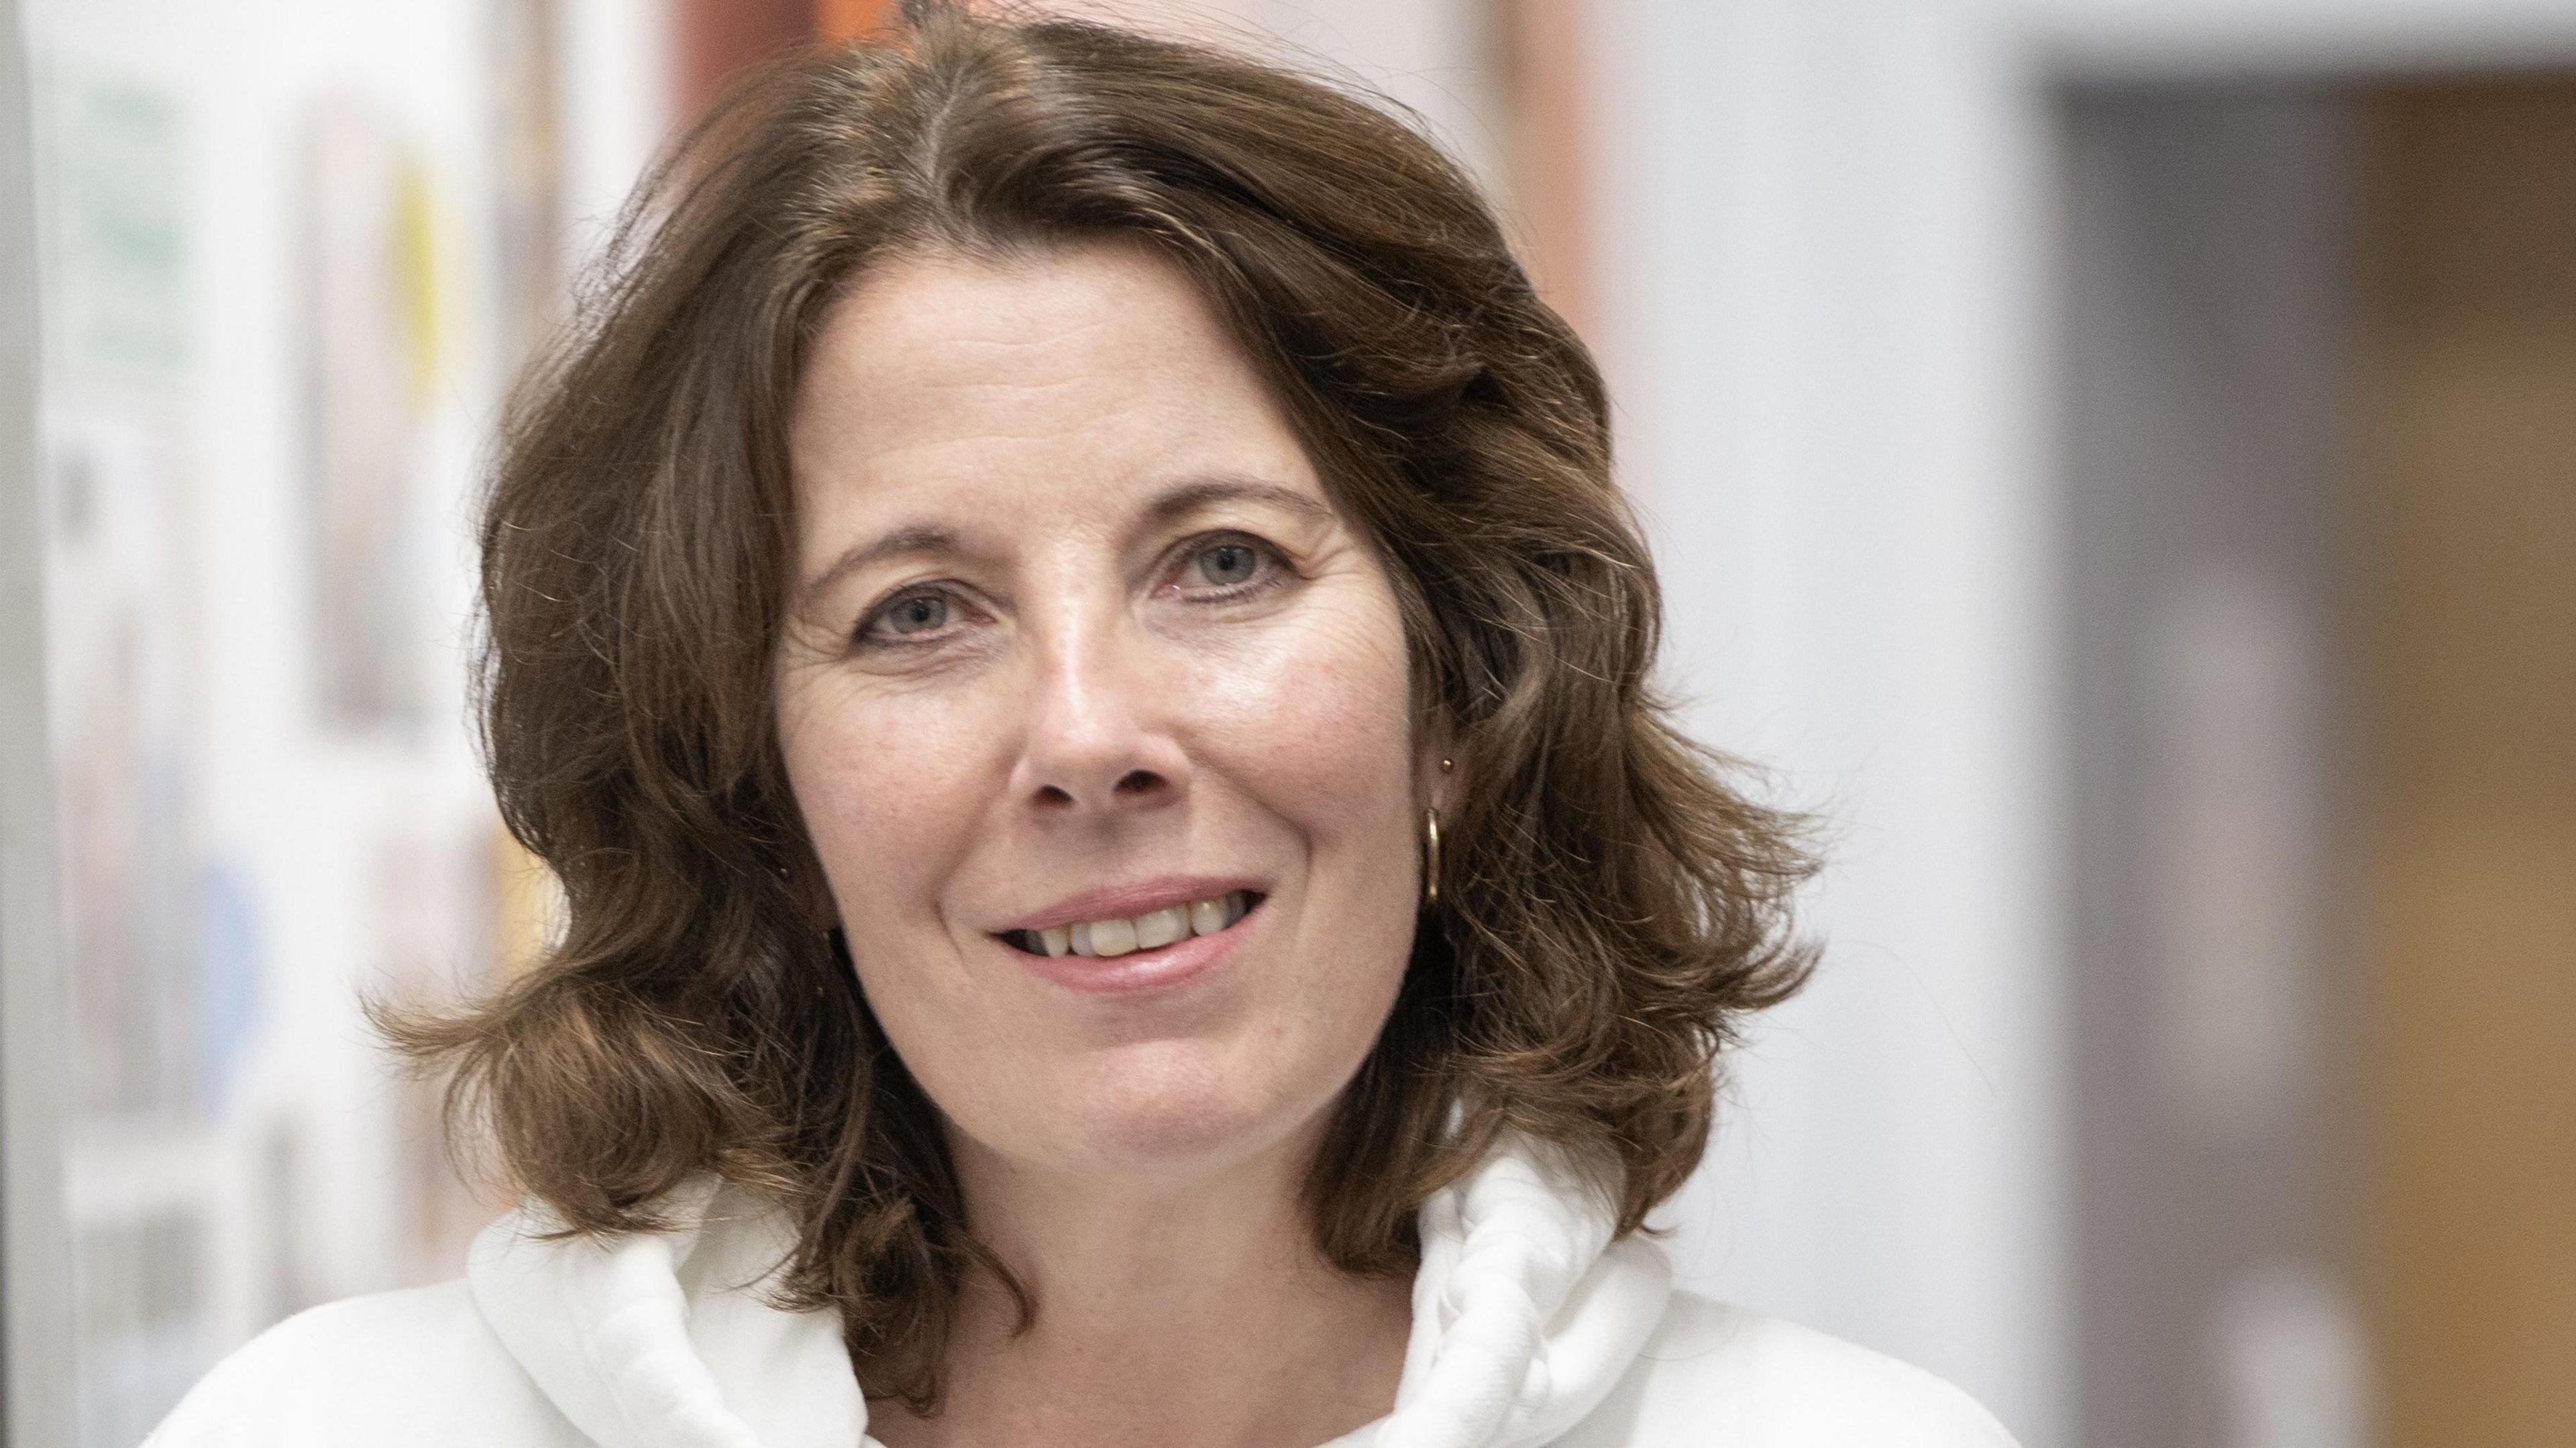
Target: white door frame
[35, 1257]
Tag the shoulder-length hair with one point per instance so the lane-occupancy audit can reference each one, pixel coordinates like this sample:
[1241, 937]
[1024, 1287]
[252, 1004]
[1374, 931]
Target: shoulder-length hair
[1609, 907]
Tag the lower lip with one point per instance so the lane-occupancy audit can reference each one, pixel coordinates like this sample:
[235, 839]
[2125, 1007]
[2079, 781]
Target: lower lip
[1160, 968]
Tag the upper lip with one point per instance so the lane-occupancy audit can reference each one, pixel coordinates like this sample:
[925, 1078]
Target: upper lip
[1120, 902]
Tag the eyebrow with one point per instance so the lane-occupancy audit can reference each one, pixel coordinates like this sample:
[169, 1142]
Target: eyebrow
[1208, 492]
[905, 542]
[916, 539]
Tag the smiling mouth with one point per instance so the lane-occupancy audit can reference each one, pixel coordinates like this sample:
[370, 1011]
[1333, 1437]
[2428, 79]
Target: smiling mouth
[1150, 931]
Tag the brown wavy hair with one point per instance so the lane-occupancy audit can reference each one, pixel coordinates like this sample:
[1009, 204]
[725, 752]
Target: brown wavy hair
[1609, 906]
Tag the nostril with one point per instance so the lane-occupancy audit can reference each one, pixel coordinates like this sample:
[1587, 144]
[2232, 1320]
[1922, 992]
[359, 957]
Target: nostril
[1141, 786]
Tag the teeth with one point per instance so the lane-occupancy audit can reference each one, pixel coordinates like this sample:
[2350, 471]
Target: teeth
[1162, 927]
[1149, 931]
[1207, 917]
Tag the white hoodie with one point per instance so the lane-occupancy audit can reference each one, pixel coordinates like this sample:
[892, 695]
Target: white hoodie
[1530, 1327]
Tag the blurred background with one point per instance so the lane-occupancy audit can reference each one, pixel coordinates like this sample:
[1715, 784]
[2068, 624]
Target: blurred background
[2114, 459]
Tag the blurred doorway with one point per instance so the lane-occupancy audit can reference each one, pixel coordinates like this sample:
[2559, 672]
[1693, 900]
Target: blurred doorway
[2319, 426]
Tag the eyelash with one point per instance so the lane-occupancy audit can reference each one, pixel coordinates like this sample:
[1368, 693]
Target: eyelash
[1272, 575]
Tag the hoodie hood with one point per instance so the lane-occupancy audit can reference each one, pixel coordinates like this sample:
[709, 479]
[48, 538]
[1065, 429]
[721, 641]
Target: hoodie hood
[668, 1339]
[1525, 1314]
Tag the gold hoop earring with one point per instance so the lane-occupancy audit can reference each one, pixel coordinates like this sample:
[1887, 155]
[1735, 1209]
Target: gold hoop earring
[1431, 857]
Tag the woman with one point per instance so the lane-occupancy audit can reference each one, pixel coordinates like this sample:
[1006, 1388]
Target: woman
[1067, 629]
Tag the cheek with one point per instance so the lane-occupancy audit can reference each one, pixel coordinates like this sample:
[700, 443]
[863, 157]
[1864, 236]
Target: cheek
[1316, 724]
[1318, 731]
[884, 783]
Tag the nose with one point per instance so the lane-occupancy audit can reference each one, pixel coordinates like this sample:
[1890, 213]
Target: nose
[1098, 727]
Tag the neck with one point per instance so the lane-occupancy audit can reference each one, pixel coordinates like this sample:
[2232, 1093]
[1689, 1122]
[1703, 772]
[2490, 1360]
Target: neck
[1181, 1310]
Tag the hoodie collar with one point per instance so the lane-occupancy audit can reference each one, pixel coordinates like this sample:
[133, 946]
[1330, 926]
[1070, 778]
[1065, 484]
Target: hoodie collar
[1525, 1314]
[669, 1339]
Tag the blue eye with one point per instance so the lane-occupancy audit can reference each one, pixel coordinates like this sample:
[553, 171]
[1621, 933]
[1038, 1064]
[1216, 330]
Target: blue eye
[919, 614]
[1228, 564]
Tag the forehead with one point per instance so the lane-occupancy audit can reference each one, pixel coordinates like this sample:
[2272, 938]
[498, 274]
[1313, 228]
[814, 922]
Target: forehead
[1071, 376]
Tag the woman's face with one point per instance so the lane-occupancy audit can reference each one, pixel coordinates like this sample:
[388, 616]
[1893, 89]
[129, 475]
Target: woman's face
[1082, 658]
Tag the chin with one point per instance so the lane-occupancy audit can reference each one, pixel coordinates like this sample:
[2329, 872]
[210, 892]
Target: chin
[1173, 1109]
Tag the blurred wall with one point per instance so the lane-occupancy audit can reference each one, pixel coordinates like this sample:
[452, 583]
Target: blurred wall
[1827, 241]
[283, 284]
[1817, 239]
